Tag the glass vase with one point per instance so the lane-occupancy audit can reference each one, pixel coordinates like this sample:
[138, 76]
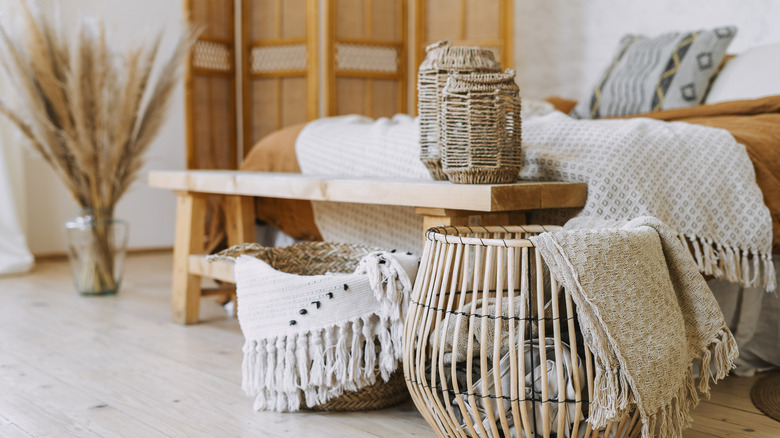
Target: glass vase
[97, 244]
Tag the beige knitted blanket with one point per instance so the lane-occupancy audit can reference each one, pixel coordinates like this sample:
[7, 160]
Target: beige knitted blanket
[646, 313]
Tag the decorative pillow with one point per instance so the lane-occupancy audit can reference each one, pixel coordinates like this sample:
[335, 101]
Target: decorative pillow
[653, 74]
[750, 75]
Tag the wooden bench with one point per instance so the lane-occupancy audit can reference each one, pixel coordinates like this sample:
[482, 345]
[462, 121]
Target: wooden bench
[439, 202]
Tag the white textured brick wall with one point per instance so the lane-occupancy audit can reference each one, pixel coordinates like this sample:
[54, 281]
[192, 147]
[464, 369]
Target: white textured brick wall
[563, 45]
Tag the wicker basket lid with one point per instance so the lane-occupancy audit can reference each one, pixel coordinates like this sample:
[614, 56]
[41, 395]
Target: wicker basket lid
[461, 83]
[444, 56]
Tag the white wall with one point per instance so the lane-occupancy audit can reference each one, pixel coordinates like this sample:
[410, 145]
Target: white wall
[150, 212]
[562, 46]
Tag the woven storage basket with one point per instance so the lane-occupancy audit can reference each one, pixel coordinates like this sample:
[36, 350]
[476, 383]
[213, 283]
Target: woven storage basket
[441, 59]
[480, 126]
[316, 259]
[482, 305]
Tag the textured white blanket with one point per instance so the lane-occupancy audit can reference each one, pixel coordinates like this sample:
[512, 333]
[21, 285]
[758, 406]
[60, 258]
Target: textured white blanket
[696, 179]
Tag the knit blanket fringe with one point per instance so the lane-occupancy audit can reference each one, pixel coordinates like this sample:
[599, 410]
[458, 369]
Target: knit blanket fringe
[646, 314]
[746, 267]
[614, 398]
[310, 368]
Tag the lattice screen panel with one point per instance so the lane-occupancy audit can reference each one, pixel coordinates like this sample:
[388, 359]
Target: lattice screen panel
[280, 67]
[210, 87]
[366, 66]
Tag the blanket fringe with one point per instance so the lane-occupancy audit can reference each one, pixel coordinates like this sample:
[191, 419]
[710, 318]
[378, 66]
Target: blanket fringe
[278, 375]
[715, 362]
[731, 263]
[310, 368]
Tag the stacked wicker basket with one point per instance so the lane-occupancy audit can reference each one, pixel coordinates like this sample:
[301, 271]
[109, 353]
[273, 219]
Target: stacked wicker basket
[469, 116]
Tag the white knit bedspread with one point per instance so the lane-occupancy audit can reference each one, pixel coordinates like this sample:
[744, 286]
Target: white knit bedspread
[696, 179]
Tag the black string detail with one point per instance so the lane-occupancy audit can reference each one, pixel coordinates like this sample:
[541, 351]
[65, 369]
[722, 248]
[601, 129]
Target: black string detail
[493, 317]
[494, 397]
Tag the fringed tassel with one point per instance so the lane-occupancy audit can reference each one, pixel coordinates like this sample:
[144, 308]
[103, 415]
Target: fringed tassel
[312, 393]
[281, 402]
[756, 270]
[261, 400]
[270, 363]
[369, 356]
[387, 361]
[697, 252]
[342, 356]
[249, 377]
[281, 342]
[625, 397]
[317, 354]
[355, 375]
[330, 356]
[604, 402]
[770, 274]
[728, 264]
[290, 379]
[747, 280]
[711, 259]
[302, 360]
[704, 372]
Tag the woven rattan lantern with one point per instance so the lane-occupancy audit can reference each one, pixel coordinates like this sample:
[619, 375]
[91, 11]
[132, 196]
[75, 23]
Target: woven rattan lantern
[492, 346]
[480, 126]
[441, 59]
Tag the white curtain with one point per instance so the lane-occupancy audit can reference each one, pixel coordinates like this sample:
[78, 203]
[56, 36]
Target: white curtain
[15, 256]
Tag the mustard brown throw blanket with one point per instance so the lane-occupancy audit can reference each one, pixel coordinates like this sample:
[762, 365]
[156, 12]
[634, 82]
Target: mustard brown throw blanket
[646, 314]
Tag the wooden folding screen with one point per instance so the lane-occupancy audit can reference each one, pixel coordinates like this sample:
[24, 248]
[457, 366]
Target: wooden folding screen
[280, 68]
[364, 65]
[486, 23]
[210, 87]
[365, 57]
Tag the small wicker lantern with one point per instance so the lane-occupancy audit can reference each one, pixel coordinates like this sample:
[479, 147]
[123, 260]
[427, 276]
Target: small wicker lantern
[492, 346]
[441, 59]
[480, 126]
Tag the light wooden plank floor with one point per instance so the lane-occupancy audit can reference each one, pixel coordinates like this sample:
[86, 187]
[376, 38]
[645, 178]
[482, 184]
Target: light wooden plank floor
[117, 367]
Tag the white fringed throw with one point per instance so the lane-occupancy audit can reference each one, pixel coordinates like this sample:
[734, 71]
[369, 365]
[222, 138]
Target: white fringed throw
[310, 338]
[696, 179]
[646, 313]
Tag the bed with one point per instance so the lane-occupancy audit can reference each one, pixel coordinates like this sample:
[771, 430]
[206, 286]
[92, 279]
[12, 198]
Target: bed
[744, 99]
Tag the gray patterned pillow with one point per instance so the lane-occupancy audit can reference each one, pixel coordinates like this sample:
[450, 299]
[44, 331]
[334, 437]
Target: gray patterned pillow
[672, 70]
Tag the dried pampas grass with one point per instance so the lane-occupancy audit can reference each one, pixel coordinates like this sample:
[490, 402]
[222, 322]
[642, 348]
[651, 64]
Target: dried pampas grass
[89, 110]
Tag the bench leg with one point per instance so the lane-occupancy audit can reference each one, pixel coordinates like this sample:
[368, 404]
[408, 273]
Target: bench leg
[240, 218]
[433, 217]
[190, 232]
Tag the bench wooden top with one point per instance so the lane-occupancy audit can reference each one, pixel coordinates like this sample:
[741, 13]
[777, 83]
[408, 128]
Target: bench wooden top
[524, 195]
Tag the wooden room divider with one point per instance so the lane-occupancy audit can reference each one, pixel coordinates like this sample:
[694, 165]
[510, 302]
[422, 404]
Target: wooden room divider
[210, 86]
[366, 57]
[280, 67]
[303, 59]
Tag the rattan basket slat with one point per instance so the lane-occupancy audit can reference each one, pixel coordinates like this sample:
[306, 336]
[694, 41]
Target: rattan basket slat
[441, 59]
[481, 128]
[482, 307]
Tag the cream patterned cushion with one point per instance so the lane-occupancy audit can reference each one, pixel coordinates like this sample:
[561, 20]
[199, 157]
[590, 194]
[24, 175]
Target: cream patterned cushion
[672, 70]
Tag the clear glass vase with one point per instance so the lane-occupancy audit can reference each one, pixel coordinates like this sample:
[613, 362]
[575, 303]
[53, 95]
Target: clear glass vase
[97, 244]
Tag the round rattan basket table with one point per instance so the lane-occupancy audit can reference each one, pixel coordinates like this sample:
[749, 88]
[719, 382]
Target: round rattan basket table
[492, 347]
